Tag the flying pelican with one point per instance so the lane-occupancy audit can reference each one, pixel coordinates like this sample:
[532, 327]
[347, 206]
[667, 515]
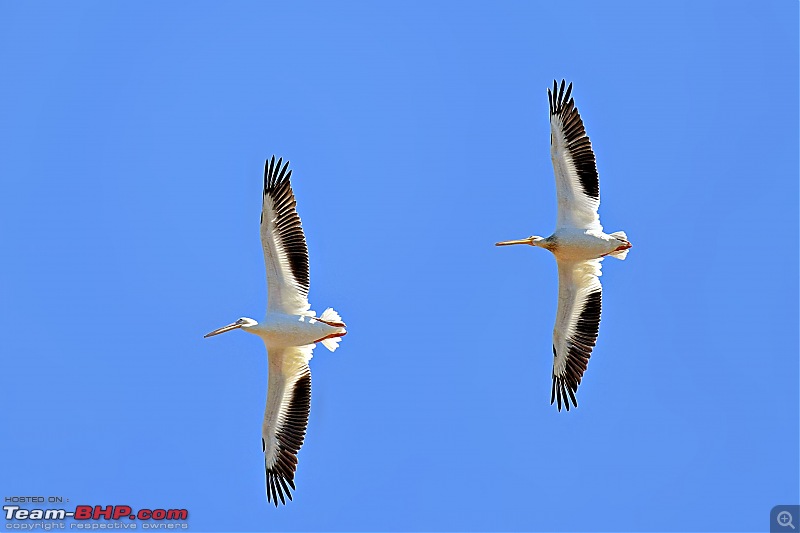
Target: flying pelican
[578, 243]
[290, 331]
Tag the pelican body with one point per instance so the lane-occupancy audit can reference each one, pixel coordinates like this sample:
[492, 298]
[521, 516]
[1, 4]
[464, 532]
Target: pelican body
[280, 330]
[290, 331]
[575, 244]
[578, 244]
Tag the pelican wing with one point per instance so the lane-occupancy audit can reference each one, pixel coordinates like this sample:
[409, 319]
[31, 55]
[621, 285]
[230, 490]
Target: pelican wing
[577, 184]
[285, 418]
[285, 251]
[580, 298]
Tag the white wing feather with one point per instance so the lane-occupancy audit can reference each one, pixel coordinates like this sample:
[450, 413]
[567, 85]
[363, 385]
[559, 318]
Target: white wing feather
[285, 417]
[285, 251]
[577, 184]
[577, 324]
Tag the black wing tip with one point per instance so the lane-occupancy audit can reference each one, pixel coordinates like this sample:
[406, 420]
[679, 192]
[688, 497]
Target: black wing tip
[279, 488]
[561, 97]
[563, 389]
[272, 164]
[563, 392]
[275, 173]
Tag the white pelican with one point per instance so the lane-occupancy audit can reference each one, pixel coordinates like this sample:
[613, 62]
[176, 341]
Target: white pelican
[578, 243]
[289, 330]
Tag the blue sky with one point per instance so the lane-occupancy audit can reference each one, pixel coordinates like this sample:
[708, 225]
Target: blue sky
[134, 136]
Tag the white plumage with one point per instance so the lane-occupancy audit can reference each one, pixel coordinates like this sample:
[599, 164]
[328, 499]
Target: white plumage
[290, 331]
[578, 244]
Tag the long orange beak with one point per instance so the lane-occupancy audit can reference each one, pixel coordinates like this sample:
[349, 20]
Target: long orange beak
[529, 240]
[229, 327]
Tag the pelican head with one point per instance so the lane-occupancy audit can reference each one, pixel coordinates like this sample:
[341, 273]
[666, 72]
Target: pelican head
[533, 240]
[243, 322]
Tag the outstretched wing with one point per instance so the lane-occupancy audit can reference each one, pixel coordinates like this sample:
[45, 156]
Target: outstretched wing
[285, 418]
[577, 184]
[285, 251]
[580, 298]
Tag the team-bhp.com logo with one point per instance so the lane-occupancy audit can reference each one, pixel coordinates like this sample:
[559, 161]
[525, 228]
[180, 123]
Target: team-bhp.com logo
[96, 513]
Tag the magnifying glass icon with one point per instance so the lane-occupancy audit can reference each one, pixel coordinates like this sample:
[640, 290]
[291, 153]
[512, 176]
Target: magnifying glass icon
[785, 519]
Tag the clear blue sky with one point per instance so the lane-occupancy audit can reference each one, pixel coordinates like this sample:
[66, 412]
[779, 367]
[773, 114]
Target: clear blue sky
[134, 136]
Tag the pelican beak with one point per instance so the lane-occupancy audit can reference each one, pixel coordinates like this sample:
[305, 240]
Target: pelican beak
[229, 327]
[529, 240]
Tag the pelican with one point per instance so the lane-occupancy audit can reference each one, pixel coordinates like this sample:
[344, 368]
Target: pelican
[578, 244]
[290, 331]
